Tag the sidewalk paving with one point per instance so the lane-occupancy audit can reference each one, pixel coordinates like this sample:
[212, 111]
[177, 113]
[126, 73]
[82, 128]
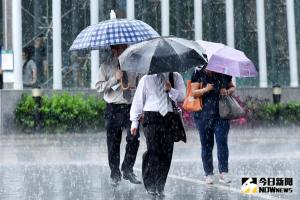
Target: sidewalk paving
[74, 166]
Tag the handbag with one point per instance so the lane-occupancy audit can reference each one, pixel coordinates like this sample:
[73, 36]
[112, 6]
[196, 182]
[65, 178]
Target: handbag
[176, 123]
[190, 103]
[229, 108]
[175, 118]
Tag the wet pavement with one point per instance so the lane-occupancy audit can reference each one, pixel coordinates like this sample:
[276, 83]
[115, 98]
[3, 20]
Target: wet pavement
[74, 167]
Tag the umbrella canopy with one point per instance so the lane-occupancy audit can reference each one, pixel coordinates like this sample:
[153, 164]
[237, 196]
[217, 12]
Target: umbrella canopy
[227, 60]
[163, 54]
[113, 32]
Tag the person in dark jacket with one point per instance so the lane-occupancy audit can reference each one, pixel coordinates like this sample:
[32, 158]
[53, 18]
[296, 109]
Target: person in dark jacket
[40, 58]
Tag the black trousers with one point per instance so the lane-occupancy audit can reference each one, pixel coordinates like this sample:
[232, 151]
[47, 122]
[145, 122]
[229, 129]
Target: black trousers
[157, 158]
[117, 119]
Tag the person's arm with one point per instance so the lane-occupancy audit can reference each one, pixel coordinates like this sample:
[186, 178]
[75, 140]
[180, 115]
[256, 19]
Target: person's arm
[137, 106]
[45, 64]
[197, 80]
[177, 93]
[231, 88]
[229, 91]
[33, 68]
[34, 76]
[104, 82]
[201, 92]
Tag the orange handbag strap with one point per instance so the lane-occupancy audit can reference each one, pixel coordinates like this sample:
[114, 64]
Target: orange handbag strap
[188, 88]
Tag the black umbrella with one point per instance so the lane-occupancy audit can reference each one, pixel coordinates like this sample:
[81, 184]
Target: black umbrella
[163, 54]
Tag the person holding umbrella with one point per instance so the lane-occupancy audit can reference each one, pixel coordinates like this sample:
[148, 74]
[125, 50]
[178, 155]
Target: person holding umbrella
[116, 34]
[216, 80]
[118, 103]
[155, 98]
[209, 123]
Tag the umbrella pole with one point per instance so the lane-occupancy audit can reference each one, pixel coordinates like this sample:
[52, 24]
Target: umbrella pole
[122, 82]
[122, 85]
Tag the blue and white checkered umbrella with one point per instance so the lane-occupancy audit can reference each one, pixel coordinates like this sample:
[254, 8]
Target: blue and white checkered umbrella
[113, 32]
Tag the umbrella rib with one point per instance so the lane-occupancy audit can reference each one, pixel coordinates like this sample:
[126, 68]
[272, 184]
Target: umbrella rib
[163, 40]
[181, 61]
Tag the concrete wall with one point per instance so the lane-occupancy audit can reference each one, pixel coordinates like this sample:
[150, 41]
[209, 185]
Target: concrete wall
[9, 99]
[288, 94]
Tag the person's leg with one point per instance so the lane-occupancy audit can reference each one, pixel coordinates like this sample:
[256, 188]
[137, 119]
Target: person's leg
[221, 129]
[114, 136]
[207, 143]
[166, 149]
[150, 158]
[132, 147]
[75, 76]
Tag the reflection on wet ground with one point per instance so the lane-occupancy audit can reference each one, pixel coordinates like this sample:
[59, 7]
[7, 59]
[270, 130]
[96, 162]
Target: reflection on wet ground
[71, 167]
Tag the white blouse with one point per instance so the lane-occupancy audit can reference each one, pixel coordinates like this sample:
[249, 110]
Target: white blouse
[146, 96]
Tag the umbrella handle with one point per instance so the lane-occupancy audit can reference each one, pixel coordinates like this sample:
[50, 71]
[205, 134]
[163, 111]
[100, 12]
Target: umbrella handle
[124, 87]
[121, 81]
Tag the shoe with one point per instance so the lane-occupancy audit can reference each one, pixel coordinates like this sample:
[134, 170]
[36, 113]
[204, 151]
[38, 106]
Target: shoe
[224, 178]
[131, 177]
[209, 179]
[161, 194]
[151, 192]
[115, 182]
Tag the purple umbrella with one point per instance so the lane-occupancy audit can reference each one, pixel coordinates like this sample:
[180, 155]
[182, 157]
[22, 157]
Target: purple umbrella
[227, 60]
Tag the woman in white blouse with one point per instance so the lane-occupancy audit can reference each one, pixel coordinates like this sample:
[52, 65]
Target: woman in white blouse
[153, 100]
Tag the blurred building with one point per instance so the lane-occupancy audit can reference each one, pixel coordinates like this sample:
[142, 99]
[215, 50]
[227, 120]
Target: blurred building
[263, 29]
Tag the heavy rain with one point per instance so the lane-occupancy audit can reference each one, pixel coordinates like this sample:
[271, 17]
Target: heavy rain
[149, 99]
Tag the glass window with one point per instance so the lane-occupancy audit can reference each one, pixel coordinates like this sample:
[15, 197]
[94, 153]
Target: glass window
[149, 11]
[297, 23]
[37, 35]
[246, 36]
[214, 21]
[277, 43]
[76, 64]
[1, 25]
[182, 18]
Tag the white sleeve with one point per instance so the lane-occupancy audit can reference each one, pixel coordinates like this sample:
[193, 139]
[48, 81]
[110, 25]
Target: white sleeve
[137, 104]
[177, 93]
[104, 82]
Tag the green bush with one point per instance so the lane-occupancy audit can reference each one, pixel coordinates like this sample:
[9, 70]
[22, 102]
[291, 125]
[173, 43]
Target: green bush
[25, 111]
[264, 112]
[291, 112]
[62, 113]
